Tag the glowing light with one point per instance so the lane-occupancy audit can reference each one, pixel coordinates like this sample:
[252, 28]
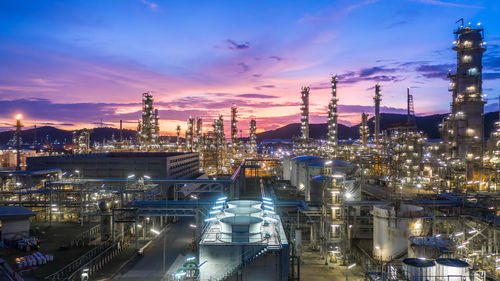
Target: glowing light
[19, 117]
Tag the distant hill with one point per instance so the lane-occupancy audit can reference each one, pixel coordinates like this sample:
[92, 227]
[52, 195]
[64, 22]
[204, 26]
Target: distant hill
[427, 124]
[50, 134]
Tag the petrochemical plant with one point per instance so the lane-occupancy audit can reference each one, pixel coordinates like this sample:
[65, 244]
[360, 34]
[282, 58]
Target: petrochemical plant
[392, 205]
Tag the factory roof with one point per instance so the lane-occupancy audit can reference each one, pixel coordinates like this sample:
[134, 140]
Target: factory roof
[15, 212]
[119, 155]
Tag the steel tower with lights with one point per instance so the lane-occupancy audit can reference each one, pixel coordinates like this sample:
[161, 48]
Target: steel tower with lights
[332, 120]
[466, 121]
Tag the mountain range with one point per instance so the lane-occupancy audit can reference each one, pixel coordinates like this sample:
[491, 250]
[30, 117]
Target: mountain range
[429, 125]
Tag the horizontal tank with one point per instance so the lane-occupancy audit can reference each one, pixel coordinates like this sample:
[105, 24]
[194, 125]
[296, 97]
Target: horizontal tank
[452, 270]
[419, 269]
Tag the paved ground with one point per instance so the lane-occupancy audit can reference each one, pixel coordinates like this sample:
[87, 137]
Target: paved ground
[314, 269]
[149, 266]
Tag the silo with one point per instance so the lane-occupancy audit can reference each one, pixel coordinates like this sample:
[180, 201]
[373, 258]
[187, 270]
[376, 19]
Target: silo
[419, 269]
[452, 270]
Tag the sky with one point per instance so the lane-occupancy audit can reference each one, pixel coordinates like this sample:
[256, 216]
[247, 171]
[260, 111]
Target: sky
[71, 64]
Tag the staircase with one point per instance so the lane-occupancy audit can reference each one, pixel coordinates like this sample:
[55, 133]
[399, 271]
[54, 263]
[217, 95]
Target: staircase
[251, 256]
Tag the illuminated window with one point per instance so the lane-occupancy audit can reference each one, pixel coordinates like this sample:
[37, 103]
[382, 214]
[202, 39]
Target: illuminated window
[472, 71]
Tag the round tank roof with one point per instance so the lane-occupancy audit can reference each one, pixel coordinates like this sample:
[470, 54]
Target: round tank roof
[304, 157]
[419, 262]
[242, 210]
[452, 262]
[341, 163]
[321, 178]
[241, 220]
[317, 163]
[430, 241]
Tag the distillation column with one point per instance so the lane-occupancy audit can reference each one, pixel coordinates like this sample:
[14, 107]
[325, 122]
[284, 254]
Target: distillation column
[364, 131]
[332, 120]
[467, 117]
[304, 128]
[178, 140]
[377, 98]
[198, 136]
[252, 146]
[189, 134]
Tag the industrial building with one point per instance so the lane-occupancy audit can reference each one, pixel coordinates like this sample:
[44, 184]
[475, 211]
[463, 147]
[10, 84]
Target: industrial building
[122, 165]
[244, 239]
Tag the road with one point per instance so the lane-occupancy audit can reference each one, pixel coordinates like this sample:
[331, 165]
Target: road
[149, 266]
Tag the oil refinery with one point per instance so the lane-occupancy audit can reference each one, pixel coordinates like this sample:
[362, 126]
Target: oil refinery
[202, 205]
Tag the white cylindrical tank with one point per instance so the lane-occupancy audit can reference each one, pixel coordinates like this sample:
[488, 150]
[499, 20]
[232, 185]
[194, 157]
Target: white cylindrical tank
[391, 228]
[287, 168]
[419, 269]
[452, 270]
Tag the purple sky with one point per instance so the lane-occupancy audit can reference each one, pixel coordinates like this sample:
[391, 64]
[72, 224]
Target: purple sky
[70, 64]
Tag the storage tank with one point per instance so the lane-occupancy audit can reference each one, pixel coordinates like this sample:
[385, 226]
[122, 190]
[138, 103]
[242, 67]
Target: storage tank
[419, 269]
[452, 270]
[287, 168]
[430, 247]
[318, 184]
[392, 226]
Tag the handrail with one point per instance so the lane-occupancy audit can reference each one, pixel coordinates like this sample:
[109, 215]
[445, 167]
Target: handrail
[86, 255]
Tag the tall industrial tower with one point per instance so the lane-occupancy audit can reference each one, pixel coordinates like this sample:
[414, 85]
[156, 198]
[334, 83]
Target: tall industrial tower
[189, 134]
[234, 129]
[410, 116]
[466, 122]
[304, 120]
[178, 140]
[332, 119]
[377, 98]
[252, 146]
[148, 128]
[364, 131]
[198, 136]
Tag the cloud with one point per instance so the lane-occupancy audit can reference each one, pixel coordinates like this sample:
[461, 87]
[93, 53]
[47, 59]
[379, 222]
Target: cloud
[257, 96]
[491, 75]
[373, 70]
[276, 58]
[265, 86]
[448, 4]
[150, 4]
[335, 12]
[232, 45]
[244, 67]
[435, 71]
